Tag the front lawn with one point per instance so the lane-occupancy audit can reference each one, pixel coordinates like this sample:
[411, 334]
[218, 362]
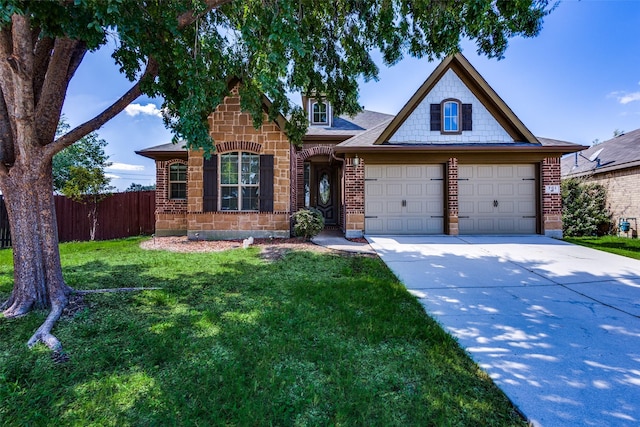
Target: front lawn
[616, 245]
[232, 339]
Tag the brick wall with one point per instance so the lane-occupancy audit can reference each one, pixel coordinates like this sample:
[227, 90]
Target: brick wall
[452, 197]
[354, 198]
[171, 215]
[623, 193]
[309, 150]
[551, 203]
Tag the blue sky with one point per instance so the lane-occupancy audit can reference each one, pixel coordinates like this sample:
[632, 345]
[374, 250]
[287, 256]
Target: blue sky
[578, 81]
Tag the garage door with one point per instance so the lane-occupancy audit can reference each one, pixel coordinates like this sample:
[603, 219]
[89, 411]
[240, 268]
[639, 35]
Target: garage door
[404, 199]
[497, 199]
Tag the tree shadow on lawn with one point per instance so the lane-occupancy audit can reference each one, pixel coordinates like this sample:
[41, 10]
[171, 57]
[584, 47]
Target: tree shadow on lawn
[311, 339]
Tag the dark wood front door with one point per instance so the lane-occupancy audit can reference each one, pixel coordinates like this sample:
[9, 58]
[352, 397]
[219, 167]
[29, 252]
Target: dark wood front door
[325, 192]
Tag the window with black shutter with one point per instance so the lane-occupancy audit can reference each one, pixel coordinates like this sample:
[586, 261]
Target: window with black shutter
[266, 183]
[210, 184]
[467, 114]
[436, 115]
[451, 117]
[238, 181]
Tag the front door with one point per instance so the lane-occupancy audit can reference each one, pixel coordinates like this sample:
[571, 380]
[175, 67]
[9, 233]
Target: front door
[325, 192]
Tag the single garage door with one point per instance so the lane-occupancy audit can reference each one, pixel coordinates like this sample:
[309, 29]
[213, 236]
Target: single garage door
[404, 199]
[497, 199]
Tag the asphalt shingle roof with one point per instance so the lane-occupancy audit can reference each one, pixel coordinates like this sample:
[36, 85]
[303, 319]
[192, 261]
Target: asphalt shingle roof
[345, 125]
[617, 153]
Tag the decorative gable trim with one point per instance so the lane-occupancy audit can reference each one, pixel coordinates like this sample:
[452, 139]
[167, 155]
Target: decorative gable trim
[227, 146]
[478, 86]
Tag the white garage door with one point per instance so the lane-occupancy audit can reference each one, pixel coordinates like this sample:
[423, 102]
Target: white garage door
[497, 199]
[404, 199]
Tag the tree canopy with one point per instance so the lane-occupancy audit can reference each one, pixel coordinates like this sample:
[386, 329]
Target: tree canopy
[188, 49]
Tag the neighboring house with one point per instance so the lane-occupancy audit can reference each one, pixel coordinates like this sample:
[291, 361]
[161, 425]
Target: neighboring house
[455, 160]
[616, 165]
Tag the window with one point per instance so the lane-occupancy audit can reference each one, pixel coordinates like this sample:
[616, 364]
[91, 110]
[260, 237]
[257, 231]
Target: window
[178, 181]
[239, 181]
[319, 113]
[450, 116]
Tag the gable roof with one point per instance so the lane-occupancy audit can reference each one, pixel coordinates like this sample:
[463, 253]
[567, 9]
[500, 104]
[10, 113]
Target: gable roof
[620, 152]
[165, 151]
[344, 126]
[480, 88]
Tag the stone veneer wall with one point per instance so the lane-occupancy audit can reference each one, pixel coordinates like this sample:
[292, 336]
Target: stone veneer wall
[551, 203]
[171, 215]
[232, 130]
[354, 198]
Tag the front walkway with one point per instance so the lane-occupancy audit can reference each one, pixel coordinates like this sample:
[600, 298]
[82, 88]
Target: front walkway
[556, 326]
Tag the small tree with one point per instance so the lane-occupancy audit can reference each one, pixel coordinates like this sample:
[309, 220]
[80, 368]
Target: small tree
[88, 186]
[139, 187]
[584, 208]
[87, 153]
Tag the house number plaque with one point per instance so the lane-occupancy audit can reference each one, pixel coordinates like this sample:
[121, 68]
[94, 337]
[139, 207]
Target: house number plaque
[552, 189]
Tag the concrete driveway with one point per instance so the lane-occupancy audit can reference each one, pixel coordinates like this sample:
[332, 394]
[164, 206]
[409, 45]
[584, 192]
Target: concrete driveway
[557, 326]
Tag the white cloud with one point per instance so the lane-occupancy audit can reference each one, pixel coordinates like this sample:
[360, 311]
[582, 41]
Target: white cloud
[112, 176]
[149, 109]
[125, 167]
[629, 97]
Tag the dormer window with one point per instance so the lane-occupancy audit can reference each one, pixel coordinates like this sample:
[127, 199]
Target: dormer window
[319, 113]
[451, 117]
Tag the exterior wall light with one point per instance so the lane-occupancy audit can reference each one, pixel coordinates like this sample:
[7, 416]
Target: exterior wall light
[356, 161]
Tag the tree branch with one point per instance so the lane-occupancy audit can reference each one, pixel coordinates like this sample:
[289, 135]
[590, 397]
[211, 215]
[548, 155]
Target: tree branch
[41, 63]
[6, 79]
[67, 55]
[6, 133]
[112, 290]
[189, 17]
[132, 94]
[110, 112]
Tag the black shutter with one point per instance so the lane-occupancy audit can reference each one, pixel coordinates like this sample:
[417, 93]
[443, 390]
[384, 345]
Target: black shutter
[436, 118]
[266, 183]
[466, 117]
[210, 184]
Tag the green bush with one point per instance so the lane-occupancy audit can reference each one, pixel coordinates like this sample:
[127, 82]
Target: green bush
[584, 209]
[308, 222]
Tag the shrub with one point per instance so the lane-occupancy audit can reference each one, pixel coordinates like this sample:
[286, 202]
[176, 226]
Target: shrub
[308, 222]
[584, 208]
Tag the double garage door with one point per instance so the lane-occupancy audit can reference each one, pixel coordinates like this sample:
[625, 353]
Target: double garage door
[409, 199]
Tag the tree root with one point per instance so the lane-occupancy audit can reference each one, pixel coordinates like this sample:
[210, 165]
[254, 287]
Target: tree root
[44, 335]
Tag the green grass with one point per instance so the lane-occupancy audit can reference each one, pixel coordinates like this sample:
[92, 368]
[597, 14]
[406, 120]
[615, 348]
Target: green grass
[616, 245]
[233, 340]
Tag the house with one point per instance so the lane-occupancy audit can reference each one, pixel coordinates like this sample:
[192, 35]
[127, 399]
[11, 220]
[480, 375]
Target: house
[615, 164]
[454, 160]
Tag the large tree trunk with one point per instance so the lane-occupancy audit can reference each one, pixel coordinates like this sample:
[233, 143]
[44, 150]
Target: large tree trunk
[38, 281]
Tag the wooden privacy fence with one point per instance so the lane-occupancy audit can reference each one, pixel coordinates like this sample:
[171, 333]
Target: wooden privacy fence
[119, 215]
